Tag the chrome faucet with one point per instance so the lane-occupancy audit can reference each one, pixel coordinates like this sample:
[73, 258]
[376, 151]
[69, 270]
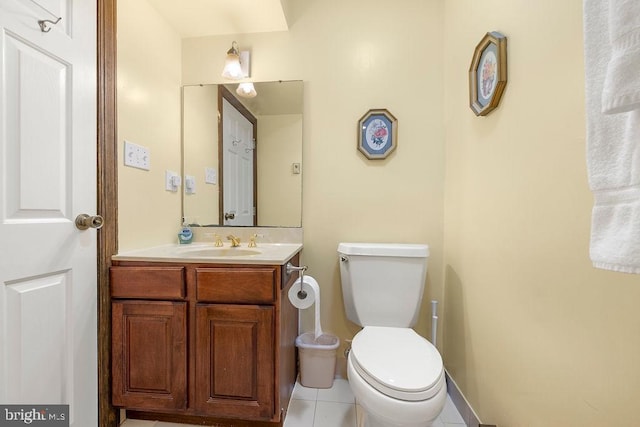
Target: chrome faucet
[235, 241]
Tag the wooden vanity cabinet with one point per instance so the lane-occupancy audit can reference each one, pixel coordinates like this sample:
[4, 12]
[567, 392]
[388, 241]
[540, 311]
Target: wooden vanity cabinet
[237, 329]
[235, 361]
[149, 337]
[234, 341]
[149, 354]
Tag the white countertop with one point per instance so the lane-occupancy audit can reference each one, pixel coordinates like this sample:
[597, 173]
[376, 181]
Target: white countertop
[265, 253]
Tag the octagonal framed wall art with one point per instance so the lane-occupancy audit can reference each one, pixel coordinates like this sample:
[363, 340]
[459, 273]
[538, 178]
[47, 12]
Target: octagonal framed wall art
[488, 73]
[377, 134]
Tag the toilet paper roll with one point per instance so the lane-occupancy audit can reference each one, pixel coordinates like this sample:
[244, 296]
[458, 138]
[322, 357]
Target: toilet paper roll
[310, 289]
[310, 286]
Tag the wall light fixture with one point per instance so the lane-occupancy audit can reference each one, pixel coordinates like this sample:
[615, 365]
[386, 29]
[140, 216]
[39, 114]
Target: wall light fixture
[236, 65]
[246, 90]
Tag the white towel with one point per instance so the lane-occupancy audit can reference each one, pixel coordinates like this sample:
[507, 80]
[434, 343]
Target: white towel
[613, 139]
[621, 92]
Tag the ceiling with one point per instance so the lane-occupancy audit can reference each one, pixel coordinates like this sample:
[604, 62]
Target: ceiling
[274, 98]
[199, 18]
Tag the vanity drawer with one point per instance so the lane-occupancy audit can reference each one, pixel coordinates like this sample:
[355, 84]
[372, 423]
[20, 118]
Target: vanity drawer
[147, 282]
[236, 285]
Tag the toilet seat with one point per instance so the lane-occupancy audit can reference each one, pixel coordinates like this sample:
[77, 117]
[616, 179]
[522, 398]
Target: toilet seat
[397, 362]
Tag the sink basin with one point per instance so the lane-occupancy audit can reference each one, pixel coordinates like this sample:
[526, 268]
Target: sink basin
[220, 252]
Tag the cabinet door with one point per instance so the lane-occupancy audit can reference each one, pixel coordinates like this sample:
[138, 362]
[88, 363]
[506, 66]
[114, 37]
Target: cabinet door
[235, 361]
[149, 350]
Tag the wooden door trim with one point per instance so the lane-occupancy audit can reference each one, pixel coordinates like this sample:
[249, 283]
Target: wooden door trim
[107, 198]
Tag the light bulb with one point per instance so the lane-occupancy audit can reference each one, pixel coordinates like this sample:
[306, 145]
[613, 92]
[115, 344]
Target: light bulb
[246, 90]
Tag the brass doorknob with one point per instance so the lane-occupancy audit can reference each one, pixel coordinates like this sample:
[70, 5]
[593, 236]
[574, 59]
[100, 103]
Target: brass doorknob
[84, 221]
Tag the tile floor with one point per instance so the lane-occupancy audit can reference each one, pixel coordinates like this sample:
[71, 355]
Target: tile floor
[333, 407]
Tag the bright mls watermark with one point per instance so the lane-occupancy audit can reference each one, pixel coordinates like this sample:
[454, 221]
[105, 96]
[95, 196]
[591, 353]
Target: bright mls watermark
[34, 415]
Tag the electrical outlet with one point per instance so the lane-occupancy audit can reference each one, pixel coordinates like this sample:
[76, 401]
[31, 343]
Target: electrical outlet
[210, 176]
[189, 184]
[171, 181]
[136, 156]
[295, 168]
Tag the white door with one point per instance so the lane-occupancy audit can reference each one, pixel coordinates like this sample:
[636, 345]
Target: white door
[237, 162]
[48, 295]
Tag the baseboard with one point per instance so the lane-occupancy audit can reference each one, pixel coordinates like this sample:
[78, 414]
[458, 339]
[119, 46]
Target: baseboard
[462, 405]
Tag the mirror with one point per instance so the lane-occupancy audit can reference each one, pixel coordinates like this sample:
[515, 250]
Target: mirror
[268, 168]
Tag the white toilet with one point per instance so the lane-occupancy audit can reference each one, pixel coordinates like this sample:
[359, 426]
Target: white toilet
[396, 375]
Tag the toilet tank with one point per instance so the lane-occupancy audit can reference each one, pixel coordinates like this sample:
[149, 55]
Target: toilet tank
[383, 283]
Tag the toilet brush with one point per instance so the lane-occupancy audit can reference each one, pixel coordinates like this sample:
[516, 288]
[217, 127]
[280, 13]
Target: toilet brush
[434, 321]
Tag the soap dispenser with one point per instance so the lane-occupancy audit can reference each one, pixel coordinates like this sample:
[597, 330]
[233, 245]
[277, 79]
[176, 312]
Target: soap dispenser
[185, 236]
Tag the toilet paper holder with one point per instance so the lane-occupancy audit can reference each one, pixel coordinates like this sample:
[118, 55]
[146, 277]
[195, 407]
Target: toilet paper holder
[291, 268]
[301, 269]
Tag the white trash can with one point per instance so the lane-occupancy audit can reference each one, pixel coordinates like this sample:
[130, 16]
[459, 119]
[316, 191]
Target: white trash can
[317, 359]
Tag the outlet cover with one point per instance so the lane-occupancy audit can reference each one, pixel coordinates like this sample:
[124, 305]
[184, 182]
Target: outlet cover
[189, 184]
[136, 156]
[171, 180]
[210, 176]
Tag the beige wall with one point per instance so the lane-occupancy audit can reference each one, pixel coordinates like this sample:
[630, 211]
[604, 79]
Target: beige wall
[201, 151]
[149, 78]
[350, 62]
[533, 334]
[279, 189]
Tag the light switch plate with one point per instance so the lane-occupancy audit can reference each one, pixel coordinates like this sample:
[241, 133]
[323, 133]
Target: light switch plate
[136, 156]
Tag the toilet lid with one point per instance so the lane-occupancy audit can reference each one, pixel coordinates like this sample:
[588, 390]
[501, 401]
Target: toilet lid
[397, 362]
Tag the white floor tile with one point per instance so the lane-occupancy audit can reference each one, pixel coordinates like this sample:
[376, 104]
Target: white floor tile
[450, 414]
[138, 423]
[304, 393]
[340, 392]
[300, 413]
[144, 423]
[164, 424]
[334, 414]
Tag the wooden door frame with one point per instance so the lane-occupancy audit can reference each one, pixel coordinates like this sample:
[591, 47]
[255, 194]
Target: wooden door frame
[107, 197]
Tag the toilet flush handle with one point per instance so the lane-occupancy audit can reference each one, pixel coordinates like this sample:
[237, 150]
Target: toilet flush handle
[343, 258]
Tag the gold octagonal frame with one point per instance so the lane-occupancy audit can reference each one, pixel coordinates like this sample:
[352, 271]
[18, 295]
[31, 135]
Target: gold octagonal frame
[488, 73]
[377, 134]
